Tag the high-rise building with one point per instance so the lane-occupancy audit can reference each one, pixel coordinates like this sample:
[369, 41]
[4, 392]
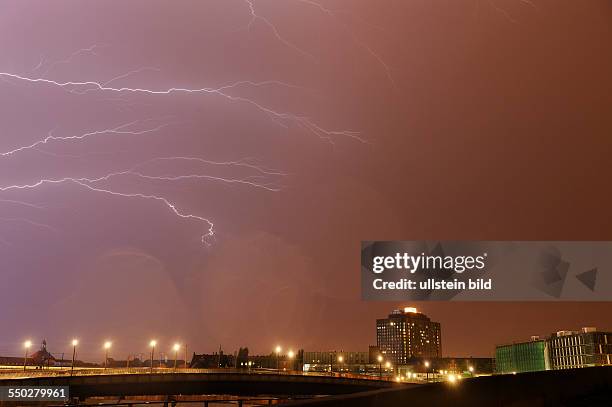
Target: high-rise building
[587, 347]
[407, 334]
[522, 357]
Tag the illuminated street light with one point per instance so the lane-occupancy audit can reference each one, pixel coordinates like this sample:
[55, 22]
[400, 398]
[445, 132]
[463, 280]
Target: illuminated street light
[340, 360]
[278, 351]
[380, 360]
[107, 346]
[291, 355]
[27, 345]
[427, 364]
[471, 369]
[152, 344]
[388, 365]
[75, 342]
[176, 348]
[452, 378]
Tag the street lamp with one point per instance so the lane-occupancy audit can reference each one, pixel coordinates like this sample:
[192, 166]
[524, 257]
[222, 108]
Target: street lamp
[27, 345]
[152, 345]
[75, 342]
[426, 370]
[340, 360]
[107, 346]
[278, 351]
[471, 369]
[380, 360]
[176, 348]
[291, 355]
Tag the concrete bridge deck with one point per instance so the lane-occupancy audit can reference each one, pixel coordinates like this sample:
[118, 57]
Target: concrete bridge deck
[198, 383]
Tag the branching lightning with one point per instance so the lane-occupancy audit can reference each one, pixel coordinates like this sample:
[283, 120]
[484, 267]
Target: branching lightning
[277, 116]
[256, 17]
[334, 14]
[153, 172]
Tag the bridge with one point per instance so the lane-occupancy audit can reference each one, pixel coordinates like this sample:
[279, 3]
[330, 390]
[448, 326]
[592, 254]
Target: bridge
[98, 383]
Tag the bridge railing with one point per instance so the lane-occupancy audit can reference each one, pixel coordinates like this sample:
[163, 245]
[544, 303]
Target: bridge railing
[60, 372]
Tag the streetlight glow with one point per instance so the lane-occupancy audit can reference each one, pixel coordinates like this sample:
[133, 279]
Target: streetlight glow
[471, 369]
[278, 351]
[427, 363]
[388, 364]
[176, 347]
[27, 344]
[75, 342]
[153, 343]
[380, 358]
[340, 358]
[107, 346]
[290, 354]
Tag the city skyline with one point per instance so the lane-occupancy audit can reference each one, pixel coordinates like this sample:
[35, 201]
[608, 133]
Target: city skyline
[94, 348]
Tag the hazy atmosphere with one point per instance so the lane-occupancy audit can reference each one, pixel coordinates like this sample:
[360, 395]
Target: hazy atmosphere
[205, 171]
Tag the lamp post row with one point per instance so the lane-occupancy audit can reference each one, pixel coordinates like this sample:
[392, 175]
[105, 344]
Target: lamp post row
[107, 345]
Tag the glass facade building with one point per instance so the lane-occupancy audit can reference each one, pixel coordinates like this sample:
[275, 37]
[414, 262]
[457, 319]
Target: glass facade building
[522, 357]
[585, 348]
[562, 350]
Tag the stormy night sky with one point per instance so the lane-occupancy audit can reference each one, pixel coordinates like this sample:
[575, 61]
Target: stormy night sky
[204, 171]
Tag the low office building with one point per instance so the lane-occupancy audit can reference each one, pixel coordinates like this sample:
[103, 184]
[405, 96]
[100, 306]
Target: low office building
[522, 357]
[562, 350]
[584, 348]
[325, 361]
[335, 357]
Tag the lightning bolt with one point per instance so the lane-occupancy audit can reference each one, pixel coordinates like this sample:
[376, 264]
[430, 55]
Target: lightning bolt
[277, 116]
[30, 222]
[21, 203]
[334, 14]
[256, 17]
[91, 184]
[90, 50]
[257, 177]
[86, 183]
[119, 130]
